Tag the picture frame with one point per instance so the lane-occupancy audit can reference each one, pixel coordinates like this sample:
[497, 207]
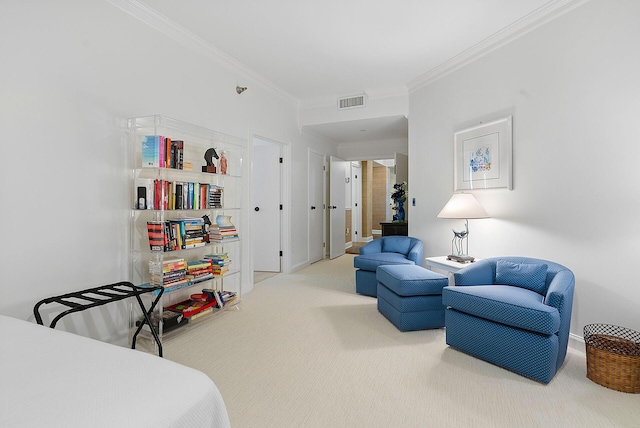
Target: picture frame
[483, 156]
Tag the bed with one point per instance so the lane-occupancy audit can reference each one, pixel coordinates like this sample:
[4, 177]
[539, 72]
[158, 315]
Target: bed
[51, 378]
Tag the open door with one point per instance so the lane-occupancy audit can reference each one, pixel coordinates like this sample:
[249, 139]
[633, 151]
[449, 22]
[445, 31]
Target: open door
[337, 171]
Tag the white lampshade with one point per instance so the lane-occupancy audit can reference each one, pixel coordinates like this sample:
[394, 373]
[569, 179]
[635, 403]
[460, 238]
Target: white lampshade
[463, 205]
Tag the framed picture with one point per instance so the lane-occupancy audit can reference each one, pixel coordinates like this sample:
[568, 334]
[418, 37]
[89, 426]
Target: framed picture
[482, 157]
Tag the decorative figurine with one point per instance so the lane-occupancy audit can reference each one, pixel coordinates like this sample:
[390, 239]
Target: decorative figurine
[223, 163]
[208, 157]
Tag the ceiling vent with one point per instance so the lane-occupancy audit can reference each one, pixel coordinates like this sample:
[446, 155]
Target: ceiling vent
[351, 102]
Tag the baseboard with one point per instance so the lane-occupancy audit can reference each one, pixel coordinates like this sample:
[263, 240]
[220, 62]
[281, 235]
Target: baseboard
[576, 343]
[348, 245]
[299, 266]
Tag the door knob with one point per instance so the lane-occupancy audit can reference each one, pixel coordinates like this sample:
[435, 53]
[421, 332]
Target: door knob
[312, 207]
[257, 208]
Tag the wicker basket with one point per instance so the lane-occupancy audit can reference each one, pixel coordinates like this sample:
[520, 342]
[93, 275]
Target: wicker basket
[613, 357]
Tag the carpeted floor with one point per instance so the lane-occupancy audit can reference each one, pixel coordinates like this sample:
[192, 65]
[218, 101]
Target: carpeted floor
[304, 350]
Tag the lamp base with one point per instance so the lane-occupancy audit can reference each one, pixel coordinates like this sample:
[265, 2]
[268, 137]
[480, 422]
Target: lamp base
[461, 259]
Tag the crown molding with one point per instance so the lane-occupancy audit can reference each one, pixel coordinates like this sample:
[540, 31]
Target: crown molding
[533, 20]
[173, 30]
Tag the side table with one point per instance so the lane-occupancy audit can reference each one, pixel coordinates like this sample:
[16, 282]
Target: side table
[447, 267]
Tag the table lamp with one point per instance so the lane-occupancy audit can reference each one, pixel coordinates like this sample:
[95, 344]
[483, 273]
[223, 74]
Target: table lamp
[466, 206]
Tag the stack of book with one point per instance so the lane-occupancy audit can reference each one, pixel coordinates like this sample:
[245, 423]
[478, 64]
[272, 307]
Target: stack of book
[215, 196]
[227, 229]
[193, 309]
[168, 273]
[214, 233]
[220, 263]
[200, 270]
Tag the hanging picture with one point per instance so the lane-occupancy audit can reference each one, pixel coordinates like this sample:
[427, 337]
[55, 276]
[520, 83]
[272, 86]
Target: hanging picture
[482, 157]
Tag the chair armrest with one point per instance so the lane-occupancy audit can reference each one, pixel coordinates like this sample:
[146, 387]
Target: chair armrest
[560, 292]
[415, 252]
[478, 273]
[560, 296]
[374, 246]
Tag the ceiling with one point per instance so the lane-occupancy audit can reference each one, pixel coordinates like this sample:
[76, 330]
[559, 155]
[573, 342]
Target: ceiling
[319, 49]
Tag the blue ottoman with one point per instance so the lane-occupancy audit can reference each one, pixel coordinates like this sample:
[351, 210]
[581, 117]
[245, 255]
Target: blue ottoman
[410, 296]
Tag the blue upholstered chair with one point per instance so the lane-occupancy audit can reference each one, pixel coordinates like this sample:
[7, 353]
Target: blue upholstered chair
[513, 312]
[387, 250]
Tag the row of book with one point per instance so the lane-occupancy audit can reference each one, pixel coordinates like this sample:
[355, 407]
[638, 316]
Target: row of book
[162, 152]
[179, 234]
[176, 272]
[156, 194]
[196, 308]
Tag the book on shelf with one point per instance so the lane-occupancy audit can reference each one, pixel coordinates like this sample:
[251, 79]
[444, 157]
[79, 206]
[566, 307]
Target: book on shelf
[226, 297]
[173, 235]
[190, 307]
[157, 237]
[151, 151]
[170, 321]
[159, 151]
[168, 273]
[200, 315]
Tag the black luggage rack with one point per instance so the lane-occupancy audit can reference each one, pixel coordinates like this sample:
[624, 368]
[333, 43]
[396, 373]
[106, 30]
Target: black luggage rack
[82, 300]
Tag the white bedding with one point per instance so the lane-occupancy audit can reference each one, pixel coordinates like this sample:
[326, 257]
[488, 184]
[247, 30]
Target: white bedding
[50, 378]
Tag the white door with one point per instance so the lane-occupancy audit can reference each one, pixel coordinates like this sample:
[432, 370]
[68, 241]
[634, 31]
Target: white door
[337, 168]
[316, 207]
[266, 206]
[356, 195]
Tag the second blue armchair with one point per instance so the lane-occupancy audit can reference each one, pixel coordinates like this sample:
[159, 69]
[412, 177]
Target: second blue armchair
[514, 312]
[387, 250]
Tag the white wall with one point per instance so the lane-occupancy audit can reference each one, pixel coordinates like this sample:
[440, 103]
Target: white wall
[72, 73]
[572, 86]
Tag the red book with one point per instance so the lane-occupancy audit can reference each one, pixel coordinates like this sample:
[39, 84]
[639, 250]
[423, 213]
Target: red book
[157, 237]
[190, 307]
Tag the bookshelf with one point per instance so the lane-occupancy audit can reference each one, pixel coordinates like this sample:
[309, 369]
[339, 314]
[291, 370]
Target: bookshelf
[185, 218]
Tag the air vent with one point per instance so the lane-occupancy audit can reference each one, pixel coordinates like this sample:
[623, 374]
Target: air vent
[351, 102]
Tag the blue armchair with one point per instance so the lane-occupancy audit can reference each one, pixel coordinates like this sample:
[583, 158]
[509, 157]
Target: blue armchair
[387, 250]
[513, 312]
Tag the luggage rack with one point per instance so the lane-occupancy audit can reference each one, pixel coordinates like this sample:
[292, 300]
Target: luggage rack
[82, 300]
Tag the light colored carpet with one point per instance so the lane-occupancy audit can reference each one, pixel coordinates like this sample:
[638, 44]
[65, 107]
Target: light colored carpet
[259, 276]
[304, 350]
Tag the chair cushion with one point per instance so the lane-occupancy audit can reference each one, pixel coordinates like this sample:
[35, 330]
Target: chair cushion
[396, 244]
[512, 306]
[371, 262]
[411, 280]
[531, 276]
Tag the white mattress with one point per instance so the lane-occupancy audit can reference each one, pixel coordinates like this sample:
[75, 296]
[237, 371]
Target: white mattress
[50, 378]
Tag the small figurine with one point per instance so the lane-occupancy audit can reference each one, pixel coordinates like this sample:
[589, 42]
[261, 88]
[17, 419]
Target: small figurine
[209, 155]
[223, 163]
